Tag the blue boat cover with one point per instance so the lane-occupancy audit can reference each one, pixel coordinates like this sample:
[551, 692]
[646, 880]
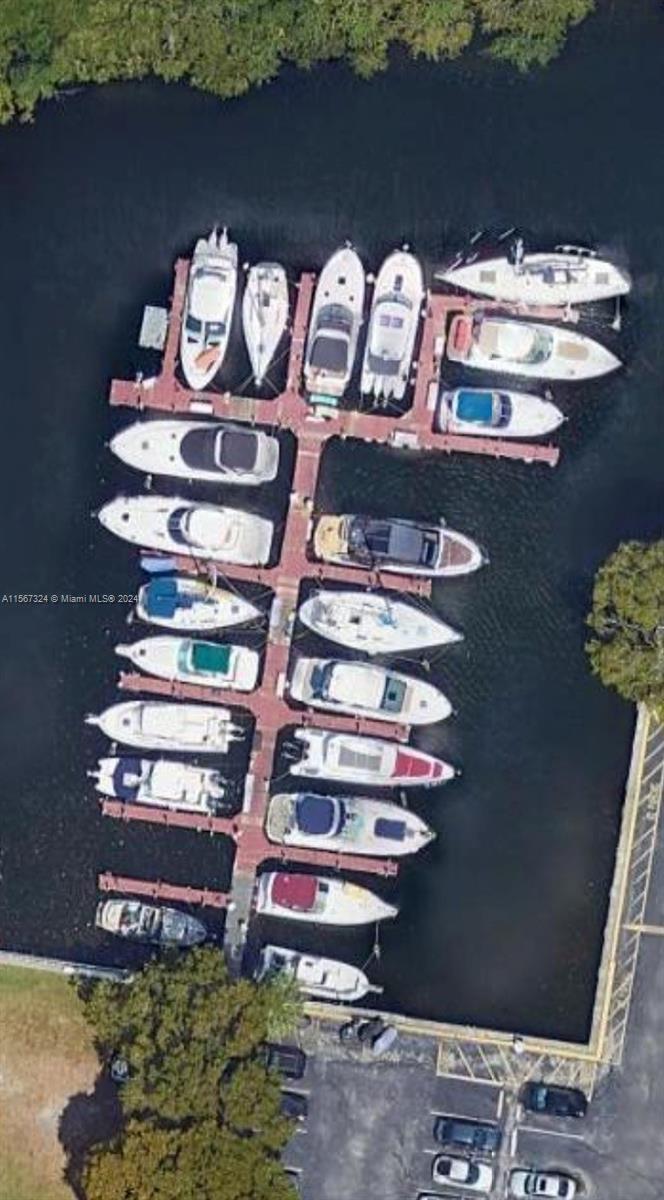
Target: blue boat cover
[125, 776]
[315, 815]
[394, 830]
[475, 406]
[163, 598]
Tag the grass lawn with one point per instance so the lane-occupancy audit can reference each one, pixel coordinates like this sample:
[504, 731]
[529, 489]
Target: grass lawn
[46, 1056]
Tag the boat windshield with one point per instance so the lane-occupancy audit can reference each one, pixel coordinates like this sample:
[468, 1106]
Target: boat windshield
[541, 347]
[176, 524]
[393, 696]
[321, 678]
[192, 324]
[503, 416]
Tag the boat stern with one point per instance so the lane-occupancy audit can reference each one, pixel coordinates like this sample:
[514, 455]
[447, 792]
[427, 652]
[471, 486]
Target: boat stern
[330, 540]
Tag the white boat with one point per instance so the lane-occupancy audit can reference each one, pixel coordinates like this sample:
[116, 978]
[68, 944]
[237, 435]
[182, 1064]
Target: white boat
[486, 412]
[209, 664]
[192, 605]
[526, 348]
[335, 323]
[346, 824]
[567, 275]
[208, 308]
[350, 758]
[390, 544]
[373, 622]
[207, 450]
[365, 690]
[395, 314]
[161, 784]
[264, 314]
[206, 531]
[324, 978]
[299, 897]
[162, 725]
[149, 923]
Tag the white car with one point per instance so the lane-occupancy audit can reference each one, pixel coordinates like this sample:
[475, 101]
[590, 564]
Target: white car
[461, 1172]
[549, 1184]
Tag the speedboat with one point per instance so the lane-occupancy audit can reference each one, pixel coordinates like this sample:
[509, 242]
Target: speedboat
[209, 664]
[264, 314]
[206, 531]
[299, 897]
[568, 275]
[364, 690]
[149, 923]
[526, 348]
[325, 978]
[390, 544]
[206, 450]
[161, 784]
[395, 314]
[178, 602]
[350, 758]
[161, 725]
[373, 622]
[208, 308]
[483, 412]
[347, 824]
[335, 323]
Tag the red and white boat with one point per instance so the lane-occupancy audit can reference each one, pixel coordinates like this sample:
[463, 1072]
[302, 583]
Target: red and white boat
[351, 758]
[299, 897]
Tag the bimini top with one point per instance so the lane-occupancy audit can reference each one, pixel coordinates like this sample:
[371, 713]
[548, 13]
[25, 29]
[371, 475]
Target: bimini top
[295, 891]
[163, 597]
[475, 406]
[319, 816]
[207, 657]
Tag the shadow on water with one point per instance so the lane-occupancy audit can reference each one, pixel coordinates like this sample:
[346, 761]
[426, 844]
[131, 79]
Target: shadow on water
[501, 918]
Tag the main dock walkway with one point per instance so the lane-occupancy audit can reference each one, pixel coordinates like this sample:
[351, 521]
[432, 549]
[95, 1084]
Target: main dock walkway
[269, 705]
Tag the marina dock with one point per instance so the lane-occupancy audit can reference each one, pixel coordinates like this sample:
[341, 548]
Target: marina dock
[268, 705]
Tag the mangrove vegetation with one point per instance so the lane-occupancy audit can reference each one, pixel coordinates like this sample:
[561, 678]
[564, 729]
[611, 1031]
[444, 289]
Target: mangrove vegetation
[627, 647]
[229, 46]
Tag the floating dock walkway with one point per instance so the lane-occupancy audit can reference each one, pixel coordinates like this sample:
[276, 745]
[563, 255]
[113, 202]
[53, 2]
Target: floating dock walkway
[269, 705]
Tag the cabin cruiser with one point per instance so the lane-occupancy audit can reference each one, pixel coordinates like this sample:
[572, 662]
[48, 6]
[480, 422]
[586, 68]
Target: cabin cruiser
[373, 622]
[149, 923]
[390, 544]
[484, 412]
[161, 783]
[208, 664]
[526, 348]
[208, 309]
[395, 314]
[568, 275]
[299, 897]
[207, 450]
[324, 978]
[335, 323]
[350, 758]
[161, 725]
[206, 531]
[365, 690]
[191, 605]
[264, 315]
[346, 824]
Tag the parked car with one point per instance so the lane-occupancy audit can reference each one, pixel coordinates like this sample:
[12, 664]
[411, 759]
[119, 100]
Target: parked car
[461, 1172]
[549, 1184]
[289, 1061]
[469, 1135]
[557, 1101]
[294, 1105]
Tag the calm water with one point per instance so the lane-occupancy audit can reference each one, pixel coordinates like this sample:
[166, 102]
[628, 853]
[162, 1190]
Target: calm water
[502, 917]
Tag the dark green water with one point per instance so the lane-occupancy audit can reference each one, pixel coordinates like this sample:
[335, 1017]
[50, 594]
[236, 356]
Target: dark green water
[502, 917]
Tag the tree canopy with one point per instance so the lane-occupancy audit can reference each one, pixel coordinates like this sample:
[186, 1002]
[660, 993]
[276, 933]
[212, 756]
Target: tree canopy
[202, 1113]
[627, 620]
[228, 46]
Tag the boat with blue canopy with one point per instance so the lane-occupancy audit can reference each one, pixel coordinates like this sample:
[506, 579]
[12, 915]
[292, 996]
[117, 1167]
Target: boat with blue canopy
[192, 605]
[489, 412]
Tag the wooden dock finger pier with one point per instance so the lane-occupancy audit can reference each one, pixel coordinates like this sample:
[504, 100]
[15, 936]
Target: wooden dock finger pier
[269, 705]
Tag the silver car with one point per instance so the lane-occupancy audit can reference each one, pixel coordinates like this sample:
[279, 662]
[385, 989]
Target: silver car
[550, 1185]
[453, 1170]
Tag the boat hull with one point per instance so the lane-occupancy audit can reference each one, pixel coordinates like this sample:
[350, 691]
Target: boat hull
[374, 762]
[264, 315]
[324, 978]
[395, 314]
[192, 605]
[334, 327]
[513, 414]
[175, 658]
[359, 689]
[527, 349]
[218, 534]
[208, 309]
[150, 923]
[455, 554]
[162, 784]
[160, 725]
[542, 279]
[323, 901]
[373, 623]
[378, 828]
[194, 449]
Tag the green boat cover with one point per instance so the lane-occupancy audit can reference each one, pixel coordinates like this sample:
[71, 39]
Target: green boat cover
[208, 658]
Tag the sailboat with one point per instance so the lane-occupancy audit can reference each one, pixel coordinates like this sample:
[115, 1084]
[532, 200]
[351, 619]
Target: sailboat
[374, 622]
[264, 314]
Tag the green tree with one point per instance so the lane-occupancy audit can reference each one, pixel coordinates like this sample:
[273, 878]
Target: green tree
[529, 33]
[627, 620]
[203, 1119]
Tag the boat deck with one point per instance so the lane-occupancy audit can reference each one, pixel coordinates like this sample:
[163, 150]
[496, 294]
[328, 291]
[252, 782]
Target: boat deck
[268, 705]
